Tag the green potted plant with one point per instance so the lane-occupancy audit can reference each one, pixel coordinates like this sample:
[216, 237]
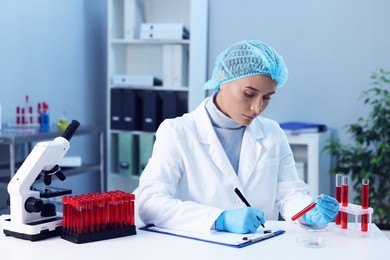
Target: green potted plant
[368, 153]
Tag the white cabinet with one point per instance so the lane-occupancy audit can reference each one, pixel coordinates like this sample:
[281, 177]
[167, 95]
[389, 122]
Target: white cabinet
[147, 72]
[312, 163]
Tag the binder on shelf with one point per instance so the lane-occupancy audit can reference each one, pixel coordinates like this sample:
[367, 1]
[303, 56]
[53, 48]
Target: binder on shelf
[164, 31]
[127, 153]
[295, 128]
[125, 105]
[116, 109]
[131, 104]
[175, 65]
[151, 108]
[173, 105]
[136, 80]
[146, 142]
[132, 19]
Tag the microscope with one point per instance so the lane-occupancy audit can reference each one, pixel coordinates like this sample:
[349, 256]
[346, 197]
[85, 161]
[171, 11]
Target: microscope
[30, 218]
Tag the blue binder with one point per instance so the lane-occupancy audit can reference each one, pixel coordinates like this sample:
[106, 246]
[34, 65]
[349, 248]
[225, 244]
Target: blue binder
[302, 127]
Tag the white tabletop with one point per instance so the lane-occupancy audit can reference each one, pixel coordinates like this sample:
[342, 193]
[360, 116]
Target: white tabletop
[149, 245]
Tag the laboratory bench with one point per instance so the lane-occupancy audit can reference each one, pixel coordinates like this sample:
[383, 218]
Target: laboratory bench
[334, 244]
[27, 137]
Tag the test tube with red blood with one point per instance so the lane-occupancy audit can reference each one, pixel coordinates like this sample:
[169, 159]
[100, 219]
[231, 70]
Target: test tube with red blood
[106, 211]
[95, 212]
[344, 202]
[74, 214]
[67, 212]
[126, 208]
[39, 112]
[306, 209]
[18, 121]
[122, 208]
[338, 195]
[112, 214]
[70, 214]
[85, 215]
[119, 209]
[64, 212]
[24, 121]
[89, 210]
[132, 198]
[79, 217]
[365, 197]
[100, 213]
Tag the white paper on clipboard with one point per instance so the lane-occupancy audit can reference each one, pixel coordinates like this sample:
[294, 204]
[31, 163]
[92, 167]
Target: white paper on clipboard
[218, 237]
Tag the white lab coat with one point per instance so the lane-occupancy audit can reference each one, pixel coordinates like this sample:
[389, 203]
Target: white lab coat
[189, 179]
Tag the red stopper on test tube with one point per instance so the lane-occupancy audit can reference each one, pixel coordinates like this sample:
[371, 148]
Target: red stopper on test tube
[339, 178]
[365, 196]
[344, 202]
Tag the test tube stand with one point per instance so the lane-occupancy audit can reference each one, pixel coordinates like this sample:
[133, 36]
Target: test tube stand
[98, 236]
[356, 210]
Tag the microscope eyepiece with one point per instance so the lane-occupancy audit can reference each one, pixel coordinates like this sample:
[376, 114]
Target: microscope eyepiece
[70, 130]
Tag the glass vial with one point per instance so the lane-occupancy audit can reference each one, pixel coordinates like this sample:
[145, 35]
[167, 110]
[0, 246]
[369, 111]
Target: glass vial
[344, 201]
[339, 178]
[365, 197]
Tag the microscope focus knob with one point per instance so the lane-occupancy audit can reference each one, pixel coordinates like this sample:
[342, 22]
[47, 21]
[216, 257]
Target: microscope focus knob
[33, 205]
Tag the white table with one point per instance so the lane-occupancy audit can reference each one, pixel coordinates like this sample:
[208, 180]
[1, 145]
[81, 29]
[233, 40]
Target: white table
[148, 245]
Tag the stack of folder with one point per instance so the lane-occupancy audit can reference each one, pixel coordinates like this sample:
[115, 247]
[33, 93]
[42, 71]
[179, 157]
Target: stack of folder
[175, 65]
[144, 110]
[132, 153]
[127, 154]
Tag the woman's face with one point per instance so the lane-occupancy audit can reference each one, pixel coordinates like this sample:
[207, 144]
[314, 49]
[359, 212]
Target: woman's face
[244, 99]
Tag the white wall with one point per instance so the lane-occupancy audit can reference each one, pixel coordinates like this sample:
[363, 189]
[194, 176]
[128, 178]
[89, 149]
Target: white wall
[330, 48]
[54, 51]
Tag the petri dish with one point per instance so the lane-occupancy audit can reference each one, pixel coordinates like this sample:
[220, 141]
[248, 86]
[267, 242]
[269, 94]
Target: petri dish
[312, 241]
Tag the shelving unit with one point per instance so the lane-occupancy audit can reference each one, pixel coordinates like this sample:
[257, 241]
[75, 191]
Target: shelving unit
[180, 63]
[28, 137]
[315, 164]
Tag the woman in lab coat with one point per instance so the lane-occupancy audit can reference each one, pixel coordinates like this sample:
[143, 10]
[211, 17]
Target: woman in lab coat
[199, 159]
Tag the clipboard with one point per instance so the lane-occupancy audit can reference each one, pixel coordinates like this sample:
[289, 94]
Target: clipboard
[218, 237]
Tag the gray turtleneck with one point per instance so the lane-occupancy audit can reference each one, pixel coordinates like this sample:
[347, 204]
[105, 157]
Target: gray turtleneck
[228, 131]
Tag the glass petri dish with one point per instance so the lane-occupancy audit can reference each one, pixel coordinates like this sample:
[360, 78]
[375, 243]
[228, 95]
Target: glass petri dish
[311, 241]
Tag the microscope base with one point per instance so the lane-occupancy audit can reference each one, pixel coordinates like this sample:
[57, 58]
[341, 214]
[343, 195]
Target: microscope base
[35, 231]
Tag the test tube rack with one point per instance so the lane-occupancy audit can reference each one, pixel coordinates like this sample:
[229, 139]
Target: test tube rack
[98, 216]
[357, 211]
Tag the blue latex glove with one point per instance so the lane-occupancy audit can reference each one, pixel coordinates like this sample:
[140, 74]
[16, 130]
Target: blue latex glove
[324, 212]
[242, 220]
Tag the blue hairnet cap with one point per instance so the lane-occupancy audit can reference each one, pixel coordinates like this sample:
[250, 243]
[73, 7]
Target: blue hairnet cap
[247, 58]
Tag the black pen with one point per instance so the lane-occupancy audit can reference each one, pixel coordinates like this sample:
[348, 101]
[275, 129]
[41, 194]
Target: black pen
[238, 192]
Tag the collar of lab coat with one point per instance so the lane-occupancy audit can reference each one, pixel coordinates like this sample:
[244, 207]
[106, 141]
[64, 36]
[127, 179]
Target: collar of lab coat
[250, 148]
